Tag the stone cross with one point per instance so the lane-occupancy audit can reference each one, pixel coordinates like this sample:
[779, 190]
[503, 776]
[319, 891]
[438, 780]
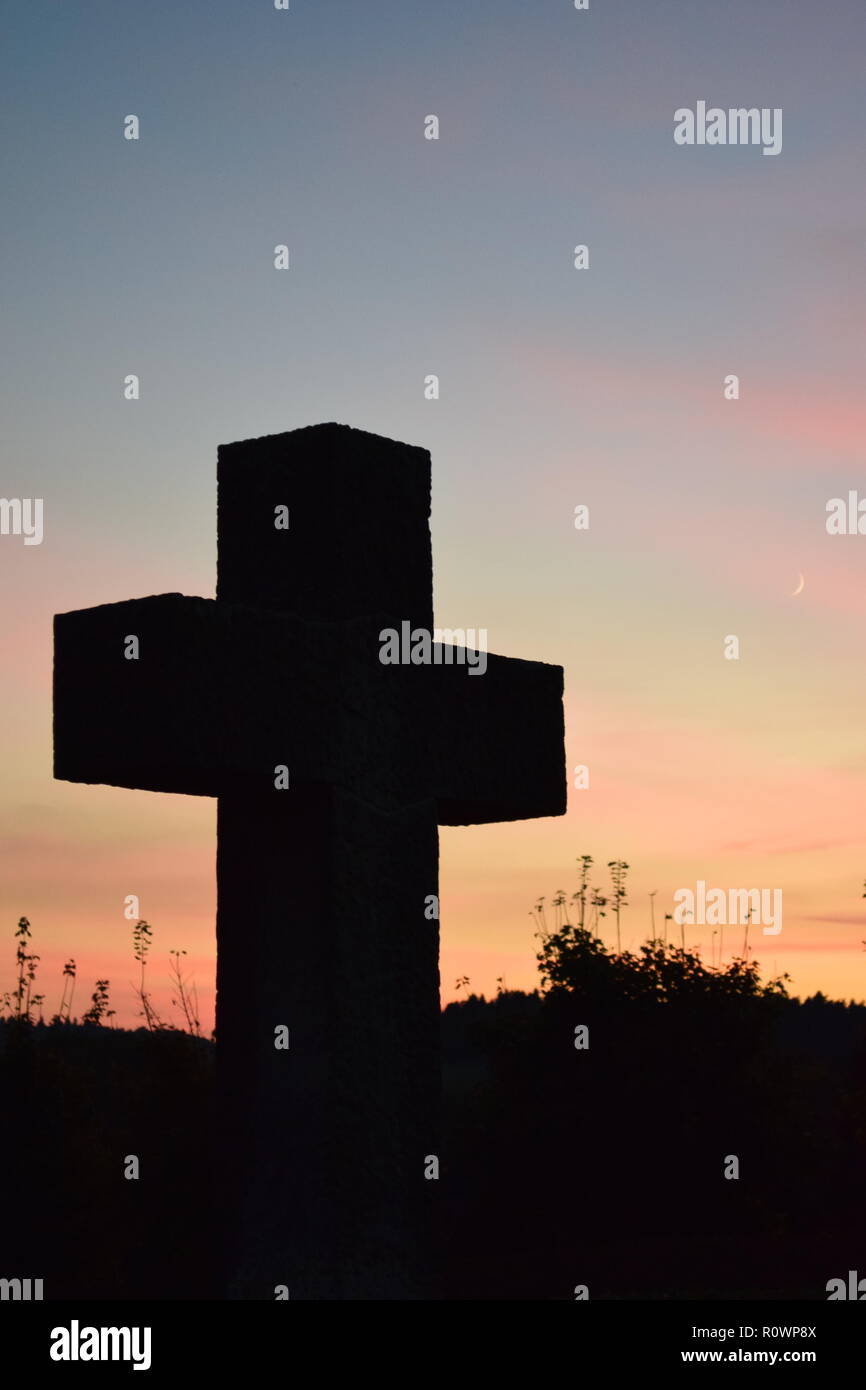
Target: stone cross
[332, 771]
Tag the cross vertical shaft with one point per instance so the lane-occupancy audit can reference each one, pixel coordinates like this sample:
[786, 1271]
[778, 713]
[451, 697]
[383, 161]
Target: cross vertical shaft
[320, 919]
[320, 928]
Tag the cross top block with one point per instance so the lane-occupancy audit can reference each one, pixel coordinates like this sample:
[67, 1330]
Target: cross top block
[283, 667]
[359, 524]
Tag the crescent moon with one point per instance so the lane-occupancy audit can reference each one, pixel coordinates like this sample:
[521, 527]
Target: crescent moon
[799, 588]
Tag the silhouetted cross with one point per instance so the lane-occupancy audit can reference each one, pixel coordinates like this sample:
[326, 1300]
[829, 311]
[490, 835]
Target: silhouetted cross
[326, 888]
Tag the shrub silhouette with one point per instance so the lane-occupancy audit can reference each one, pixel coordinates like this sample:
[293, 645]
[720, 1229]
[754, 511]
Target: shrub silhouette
[572, 958]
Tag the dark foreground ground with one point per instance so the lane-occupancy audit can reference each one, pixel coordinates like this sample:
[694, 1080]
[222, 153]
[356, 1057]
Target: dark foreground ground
[559, 1166]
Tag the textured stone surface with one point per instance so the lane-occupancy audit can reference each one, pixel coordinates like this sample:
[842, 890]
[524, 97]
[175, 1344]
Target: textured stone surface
[359, 537]
[182, 718]
[321, 888]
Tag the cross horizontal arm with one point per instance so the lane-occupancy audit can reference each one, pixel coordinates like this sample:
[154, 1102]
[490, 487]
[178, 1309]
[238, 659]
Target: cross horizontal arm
[179, 694]
[497, 741]
[212, 697]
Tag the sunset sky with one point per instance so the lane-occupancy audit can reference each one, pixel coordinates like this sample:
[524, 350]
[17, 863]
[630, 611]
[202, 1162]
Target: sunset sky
[558, 387]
